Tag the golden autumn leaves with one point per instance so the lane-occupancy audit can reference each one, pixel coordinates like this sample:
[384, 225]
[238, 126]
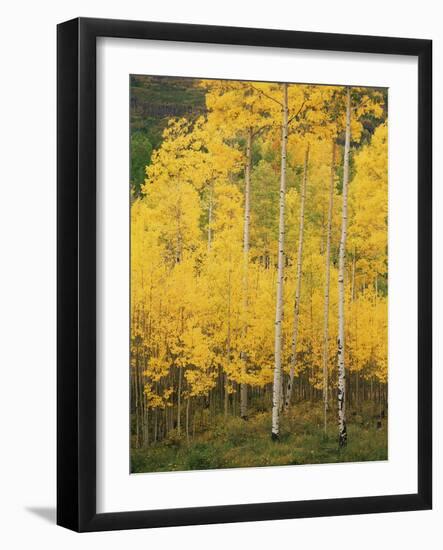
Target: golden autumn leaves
[199, 329]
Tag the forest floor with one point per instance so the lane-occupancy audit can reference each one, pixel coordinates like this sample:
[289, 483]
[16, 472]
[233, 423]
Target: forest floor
[234, 443]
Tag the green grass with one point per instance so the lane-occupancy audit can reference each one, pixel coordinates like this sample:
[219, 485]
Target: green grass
[235, 443]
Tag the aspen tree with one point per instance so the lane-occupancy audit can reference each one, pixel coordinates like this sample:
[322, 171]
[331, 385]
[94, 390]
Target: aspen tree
[342, 435]
[240, 111]
[276, 395]
[326, 295]
[248, 166]
[210, 207]
[298, 283]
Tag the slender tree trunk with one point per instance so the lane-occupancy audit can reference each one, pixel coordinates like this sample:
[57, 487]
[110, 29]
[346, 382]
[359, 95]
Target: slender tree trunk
[326, 298]
[380, 400]
[353, 277]
[145, 431]
[210, 207]
[226, 396]
[188, 401]
[276, 394]
[155, 425]
[228, 358]
[228, 342]
[179, 399]
[353, 398]
[137, 404]
[282, 386]
[140, 400]
[298, 283]
[247, 215]
[180, 376]
[342, 432]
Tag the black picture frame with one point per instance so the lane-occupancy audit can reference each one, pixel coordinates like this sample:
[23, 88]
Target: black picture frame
[76, 279]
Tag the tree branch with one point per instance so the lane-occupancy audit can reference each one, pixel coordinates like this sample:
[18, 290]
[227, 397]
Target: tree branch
[266, 95]
[262, 129]
[297, 113]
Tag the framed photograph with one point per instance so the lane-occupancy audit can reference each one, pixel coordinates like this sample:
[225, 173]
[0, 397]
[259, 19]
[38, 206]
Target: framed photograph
[244, 274]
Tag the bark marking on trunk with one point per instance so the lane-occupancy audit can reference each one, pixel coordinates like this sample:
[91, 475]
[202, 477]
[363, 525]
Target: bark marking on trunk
[276, 394]
[342, 432]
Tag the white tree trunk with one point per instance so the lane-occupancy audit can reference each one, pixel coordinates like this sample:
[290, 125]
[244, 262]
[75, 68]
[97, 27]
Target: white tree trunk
[247, 215]
[326, 298]
[298, 283]
[342, 433]
[276, 394]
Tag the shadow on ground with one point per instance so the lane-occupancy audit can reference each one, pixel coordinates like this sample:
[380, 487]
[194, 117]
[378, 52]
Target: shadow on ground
[46, 513]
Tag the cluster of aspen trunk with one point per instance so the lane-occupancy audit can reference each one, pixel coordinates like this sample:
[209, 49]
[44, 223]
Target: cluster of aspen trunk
[193, 416]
